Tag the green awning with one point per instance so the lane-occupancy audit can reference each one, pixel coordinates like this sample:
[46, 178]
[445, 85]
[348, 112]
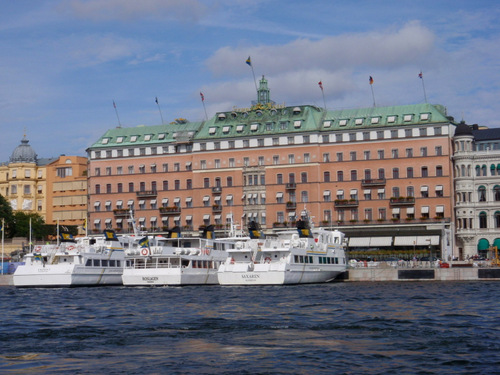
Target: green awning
[483, 244]
[497, 243]
[492, 166]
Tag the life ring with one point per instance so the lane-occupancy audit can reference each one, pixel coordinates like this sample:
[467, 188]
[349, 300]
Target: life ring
[144, 251]
[70, 248]
[37, 249]
[267, 260]
[232, 260]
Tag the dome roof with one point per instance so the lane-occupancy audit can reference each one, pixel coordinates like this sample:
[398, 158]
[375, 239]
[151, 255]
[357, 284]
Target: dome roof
[23, 153]
[463, 130]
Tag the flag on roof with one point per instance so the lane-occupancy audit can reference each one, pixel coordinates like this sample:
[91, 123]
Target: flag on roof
[156, 100]
[371, 80]
[320, 85]
[249, 61]
[420, 75]
[202, 97]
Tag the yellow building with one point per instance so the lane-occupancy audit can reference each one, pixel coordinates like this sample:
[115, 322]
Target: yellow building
[67, 190]
[23, 180]
[54, 188]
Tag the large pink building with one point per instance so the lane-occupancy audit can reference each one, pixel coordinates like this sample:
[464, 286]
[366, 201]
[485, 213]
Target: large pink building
[381, 174]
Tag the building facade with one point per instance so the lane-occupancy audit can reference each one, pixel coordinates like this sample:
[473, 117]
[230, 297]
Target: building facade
[382, 174]
[67, 191]
[23, 180]
[477, 189]
[54, 188]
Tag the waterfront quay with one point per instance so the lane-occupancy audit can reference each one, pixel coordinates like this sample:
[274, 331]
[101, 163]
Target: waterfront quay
[384, 272]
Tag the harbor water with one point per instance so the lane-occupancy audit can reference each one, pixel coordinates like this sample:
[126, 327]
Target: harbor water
[335, 328]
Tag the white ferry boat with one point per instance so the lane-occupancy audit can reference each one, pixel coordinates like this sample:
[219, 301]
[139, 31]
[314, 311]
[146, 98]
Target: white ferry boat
[175, 260]
[87, 262]
[298, 256]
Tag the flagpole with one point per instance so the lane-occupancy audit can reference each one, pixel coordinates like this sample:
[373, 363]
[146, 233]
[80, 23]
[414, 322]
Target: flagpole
[371, 86]
[118, 117]
[159, 109]
[203, 102]
[57, 232]
[322, 93]
[3, 231]
[249, 62]
[31, 244]
[423, 85]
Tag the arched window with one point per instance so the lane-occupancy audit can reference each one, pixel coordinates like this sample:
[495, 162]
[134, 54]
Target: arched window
[229, 181]
[326, 176]
[478, 170]
[496, 193]
[381, 173]
[483, 170]
[481, 194]
[483, 220]
[340, 176]
[395, 192]
[497, 219]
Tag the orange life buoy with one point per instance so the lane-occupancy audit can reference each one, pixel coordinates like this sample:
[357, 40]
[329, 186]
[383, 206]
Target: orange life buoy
[37, 248]
[267, 260]
[232, 260]
[144, 251]
[70, 248]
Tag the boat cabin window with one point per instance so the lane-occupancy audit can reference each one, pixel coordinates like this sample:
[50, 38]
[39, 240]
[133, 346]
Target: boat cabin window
[112, 263]
[96, 262]
[185, 262]
[88, 263]
[104, 262]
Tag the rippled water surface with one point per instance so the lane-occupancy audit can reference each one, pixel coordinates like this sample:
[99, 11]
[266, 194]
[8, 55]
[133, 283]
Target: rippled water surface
[337, 328]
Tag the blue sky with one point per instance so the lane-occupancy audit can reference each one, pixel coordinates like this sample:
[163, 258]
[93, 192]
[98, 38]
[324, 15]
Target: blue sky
[63, 62]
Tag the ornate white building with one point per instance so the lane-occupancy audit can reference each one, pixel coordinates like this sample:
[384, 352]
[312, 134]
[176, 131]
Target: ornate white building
[477, 189]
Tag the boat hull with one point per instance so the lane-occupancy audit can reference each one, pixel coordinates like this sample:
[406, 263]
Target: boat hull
[53, 276]
[268, 276]
[169, 276]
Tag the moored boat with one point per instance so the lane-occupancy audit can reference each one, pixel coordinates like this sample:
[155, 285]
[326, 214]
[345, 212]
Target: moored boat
[304, 255]
[85, 262]
[175, 260]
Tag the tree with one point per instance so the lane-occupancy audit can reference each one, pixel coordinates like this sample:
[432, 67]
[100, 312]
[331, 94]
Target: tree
[22, 225]
[7, 215]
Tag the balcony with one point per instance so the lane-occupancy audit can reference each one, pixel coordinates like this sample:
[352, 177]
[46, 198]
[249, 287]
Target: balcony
[217, 208]
[216, 190]
[344, 203]
[174, 210]
[372, 182]
[291, 205]
[121, 212]
[147, 193]
[402, 201]
[291, 186]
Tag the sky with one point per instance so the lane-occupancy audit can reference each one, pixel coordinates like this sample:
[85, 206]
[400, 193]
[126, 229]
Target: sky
[64, 62]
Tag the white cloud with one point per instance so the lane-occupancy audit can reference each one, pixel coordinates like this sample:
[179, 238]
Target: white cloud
[123, 10]
[374, 49]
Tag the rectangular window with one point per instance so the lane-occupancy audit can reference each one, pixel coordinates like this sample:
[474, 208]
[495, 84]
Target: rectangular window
[353, 155]
[326, 158]
[340, 156]
[409, 152]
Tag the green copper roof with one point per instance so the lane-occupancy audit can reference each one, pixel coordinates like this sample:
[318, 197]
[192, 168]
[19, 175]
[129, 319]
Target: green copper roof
[143, 135]
[261, 120]
[270, 119]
